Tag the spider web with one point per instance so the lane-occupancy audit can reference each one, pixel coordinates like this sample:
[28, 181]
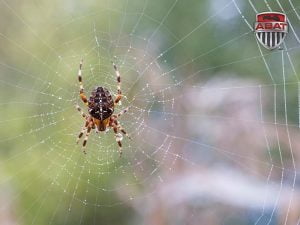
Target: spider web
[214, 118]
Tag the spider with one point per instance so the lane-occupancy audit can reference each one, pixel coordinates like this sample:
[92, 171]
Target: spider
[100, 108]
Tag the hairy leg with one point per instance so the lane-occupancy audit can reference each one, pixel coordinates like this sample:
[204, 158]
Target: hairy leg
[81, 91]
[119, 95]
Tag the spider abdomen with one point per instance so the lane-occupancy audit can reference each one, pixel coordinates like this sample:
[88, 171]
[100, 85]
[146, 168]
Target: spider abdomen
[101, 104]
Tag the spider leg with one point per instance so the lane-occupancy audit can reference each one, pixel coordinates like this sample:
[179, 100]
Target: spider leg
[81, 112]
[122, 112]
[119, 95]
[121, 129]
[118, 136]
[88, 131]
[124, 132]
[83, 130]
[81, 92]
[80, 134]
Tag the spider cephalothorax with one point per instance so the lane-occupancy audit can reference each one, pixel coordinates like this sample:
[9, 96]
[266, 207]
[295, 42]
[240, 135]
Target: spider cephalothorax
[101, 107]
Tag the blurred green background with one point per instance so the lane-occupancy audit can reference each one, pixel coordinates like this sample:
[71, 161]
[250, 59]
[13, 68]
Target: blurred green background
[170, 53]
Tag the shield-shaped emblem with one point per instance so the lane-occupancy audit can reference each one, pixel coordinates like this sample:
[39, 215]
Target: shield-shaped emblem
[271, 29]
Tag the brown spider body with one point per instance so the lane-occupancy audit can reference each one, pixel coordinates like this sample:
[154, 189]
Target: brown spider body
[101, 108]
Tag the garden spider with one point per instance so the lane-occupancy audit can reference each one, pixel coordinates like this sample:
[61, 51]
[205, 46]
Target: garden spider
[101, 107]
